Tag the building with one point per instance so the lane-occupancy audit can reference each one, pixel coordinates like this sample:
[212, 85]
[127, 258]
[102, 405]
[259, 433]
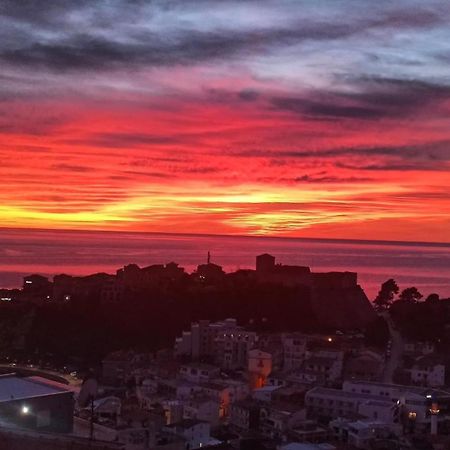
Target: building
[35, 404]
[199, 341]
[245, 415]
[328, 363]
[259, 367]
[20, 439]
[36, 289]
[360, 434]
[265, 263]
[295, 348]
[232, 347]
[116, 367]
[268, 271]
[224, 393]
[308, 431]
[209, 273]
[277, 421]
[196, 433]
[111, 290]
[202, 408]
[264, 394]
[408, 406]
[199, 372]
[418, 348]
[428, 371]
[306, 446]
[224, 341]
[330, 403]
[36, 284]
[365, 365]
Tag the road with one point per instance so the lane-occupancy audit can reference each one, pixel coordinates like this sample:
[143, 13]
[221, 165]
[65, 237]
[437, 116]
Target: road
[36, 371]
[394, 360]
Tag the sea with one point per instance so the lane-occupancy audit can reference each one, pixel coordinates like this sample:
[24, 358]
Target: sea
[49, 252]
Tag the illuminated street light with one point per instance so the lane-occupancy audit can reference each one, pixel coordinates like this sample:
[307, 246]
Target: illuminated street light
[25, 410]
[434, 411]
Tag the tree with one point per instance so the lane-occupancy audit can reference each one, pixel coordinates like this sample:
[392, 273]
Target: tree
[432, 298]
[410, 295]
[386, 295]
[377, 333]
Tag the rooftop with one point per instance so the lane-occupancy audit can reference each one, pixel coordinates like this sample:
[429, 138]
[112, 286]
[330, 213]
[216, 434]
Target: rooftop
[201, 366]
[186, 423]
[307, 446]
[422, 391]
[339, 393]
[320, 361]
[13, 388]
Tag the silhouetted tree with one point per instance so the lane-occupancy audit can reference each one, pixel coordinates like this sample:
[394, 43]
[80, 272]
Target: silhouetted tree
[377, 333]
[410, 295]
[386, 295]
[432, 298]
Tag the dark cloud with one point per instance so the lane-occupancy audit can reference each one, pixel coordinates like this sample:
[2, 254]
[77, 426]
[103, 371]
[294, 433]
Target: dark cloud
[86, 52]
[397, 94]
[396, 166]
[248, 95]
[29, 122]
[326, 109]
[123, 140]
[71, 168]
[201, 170]
[330, 179]
[91, 48]
[144, 174]
[433, 151]
[372, 99]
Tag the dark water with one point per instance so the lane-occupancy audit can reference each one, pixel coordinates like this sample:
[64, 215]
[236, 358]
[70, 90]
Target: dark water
[426, 266]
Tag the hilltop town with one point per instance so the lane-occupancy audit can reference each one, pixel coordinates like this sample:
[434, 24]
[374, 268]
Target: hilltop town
[276, 358]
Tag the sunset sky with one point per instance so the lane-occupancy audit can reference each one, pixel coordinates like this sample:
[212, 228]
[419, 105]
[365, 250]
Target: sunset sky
[291, 118]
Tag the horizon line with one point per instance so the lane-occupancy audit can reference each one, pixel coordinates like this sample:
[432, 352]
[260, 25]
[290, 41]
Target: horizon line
[239, 236]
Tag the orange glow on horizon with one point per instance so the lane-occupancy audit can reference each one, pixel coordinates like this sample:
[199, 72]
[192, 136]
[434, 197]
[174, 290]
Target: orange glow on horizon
[170, 164]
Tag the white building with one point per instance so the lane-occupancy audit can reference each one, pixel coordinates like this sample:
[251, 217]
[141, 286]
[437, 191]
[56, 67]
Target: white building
[328, 363]
[428, 371]
[196, 433]
[201, 339]
[264, 394]
[390, 403]
[334, 403]
[359, 434]
[202, 408]
[364, 365]
[306, 446]
[418, 347]
[197, 372]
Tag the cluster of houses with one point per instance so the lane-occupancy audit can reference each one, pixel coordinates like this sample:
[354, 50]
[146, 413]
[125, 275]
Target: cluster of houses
[223, 385]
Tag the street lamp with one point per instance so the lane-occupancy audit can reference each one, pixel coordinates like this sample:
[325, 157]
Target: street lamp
[25, 410]
[434, 412]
